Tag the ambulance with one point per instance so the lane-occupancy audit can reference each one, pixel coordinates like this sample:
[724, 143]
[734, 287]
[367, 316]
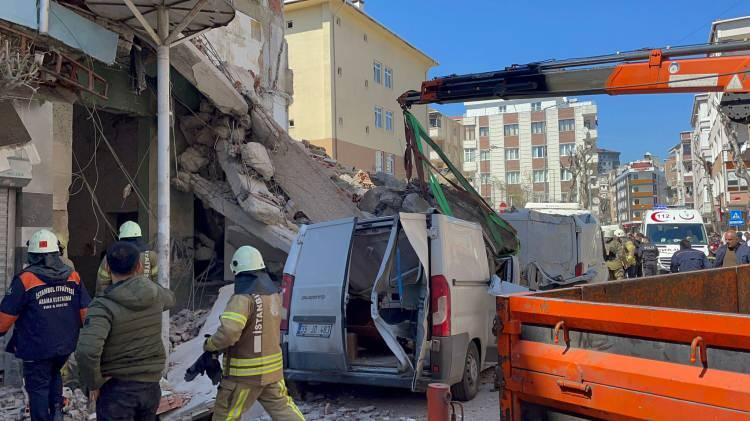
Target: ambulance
[666, 228]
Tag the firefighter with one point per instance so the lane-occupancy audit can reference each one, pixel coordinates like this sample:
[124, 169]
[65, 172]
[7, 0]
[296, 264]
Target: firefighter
[47, 303]
[615, 257]
[129, 232]
[249, 338]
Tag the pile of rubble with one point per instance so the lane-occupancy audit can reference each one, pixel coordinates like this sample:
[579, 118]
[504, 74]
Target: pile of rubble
[76, 405]
[186, 325]
[12, 403]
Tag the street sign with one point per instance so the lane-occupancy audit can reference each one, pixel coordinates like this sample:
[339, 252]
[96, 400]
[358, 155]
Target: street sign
[735, 218]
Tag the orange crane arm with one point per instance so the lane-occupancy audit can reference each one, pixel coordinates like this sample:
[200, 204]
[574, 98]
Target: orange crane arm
[667, 70]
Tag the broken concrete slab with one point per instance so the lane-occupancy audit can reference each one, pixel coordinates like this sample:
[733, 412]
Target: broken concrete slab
[256, 157]
[413, 202]
[192, 160]
[219, 197]
[383, 179]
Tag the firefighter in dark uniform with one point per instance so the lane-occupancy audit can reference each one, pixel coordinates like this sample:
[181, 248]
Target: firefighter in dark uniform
[47, 303]
[649, 257]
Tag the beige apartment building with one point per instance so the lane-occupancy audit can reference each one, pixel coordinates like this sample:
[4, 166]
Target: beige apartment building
[517, 151]
[447, 132]
[349, 70]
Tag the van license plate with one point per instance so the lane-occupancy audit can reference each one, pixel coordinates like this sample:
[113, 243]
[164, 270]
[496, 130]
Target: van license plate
[316, 330]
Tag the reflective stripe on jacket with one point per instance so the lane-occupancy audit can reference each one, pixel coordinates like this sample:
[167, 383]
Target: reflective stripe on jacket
[250, 338]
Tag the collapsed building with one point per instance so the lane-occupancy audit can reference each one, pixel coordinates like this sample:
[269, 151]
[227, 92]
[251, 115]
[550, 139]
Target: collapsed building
[78, 153]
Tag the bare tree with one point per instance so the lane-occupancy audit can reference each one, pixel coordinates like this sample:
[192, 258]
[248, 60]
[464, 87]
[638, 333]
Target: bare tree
[582, 166]
[708, 180]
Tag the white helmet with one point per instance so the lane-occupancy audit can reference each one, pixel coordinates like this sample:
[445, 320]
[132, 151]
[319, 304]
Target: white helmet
[130, 230]
[43, 241]
[619, 233]
[247, 258]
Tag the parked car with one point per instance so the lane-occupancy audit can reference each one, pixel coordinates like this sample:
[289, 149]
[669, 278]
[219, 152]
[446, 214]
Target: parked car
[397, 301]
[559, 247]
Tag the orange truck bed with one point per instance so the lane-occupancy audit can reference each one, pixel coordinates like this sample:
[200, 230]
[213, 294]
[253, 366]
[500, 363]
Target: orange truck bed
[665, 347]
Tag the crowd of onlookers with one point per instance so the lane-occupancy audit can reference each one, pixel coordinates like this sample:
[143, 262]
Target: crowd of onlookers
[633, 255]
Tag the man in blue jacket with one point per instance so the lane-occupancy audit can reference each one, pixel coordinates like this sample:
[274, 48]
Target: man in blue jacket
[732, 253]
[687, 259]
[47, 304]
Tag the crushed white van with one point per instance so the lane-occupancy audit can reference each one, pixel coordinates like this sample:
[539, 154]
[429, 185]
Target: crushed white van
[398, 301]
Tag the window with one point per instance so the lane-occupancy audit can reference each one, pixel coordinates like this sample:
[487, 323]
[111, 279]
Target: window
[389, 120]
[567, 149]
[365, 37]
[389, 163]
[289, 24]
[484, 131]
[338, 21]
[538, 127]
[484, 179]
[511, 154]
[376, 72]
[539, 151]
[567, 125]
[510, 130]
[341, 121]
[339, 71]
[388, 77]
[565, 175]
[513, 177]
[256, 32]
[484, 155]
[501, 108]
[536, 106]
[470, 154]
[540, 176]
[378, 118]
[469, 133]
[291, 123]
[378, 161]
[435, 121]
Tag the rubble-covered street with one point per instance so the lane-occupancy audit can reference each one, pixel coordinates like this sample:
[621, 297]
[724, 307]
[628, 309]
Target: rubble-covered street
[331, 402]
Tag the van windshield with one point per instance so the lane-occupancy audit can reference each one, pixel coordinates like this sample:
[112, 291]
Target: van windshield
[674, 233]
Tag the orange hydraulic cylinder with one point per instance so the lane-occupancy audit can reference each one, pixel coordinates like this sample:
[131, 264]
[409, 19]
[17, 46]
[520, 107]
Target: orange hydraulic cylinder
[438, 402]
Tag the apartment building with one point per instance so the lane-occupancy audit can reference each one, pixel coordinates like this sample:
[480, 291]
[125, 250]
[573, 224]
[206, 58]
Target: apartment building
[348, 71]
[717, 188]
[447, 132]
[639, 186]
[678, 169]
[518, 151]
[608, 160]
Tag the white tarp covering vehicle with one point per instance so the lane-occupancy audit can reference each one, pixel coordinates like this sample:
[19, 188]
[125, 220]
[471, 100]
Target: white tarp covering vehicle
[558, 247]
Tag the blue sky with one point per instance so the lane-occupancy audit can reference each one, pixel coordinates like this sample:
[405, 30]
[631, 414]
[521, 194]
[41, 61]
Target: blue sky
[478, 35]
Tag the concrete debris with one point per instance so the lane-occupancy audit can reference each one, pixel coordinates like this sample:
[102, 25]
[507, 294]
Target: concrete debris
[388, 180]
[413, 202]
[12, 403]
[256, 157]
[185, 325]
[192, 160]
[77, 406]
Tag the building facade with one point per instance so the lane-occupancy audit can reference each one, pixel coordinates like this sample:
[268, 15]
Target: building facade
[447, 132]
[678, 170]
[716, 185]
[639, 186]
[519, 151]
[608, 160]
[348, 72]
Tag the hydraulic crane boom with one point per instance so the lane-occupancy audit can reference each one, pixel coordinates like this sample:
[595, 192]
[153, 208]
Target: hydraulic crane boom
[665, 70]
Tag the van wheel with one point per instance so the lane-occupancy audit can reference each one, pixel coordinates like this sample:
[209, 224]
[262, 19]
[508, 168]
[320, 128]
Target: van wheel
[468, 387]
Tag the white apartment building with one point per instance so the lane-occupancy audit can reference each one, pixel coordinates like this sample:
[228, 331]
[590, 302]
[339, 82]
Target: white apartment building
[710, 142]
[517, 151]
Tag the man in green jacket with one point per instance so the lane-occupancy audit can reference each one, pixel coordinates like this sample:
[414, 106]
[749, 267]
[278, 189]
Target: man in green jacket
[120, 353]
